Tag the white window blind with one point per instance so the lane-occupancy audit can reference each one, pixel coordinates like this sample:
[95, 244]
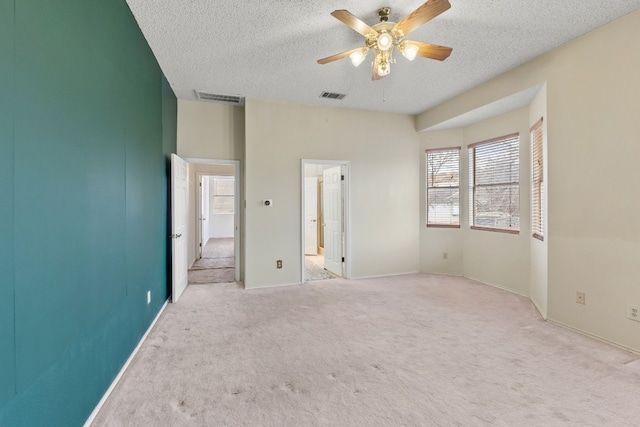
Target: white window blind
[223, 191]
[443, 187]
[494, 187]
[537, 181]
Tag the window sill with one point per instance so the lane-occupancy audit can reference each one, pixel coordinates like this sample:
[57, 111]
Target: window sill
[497, 230]
[443, 225]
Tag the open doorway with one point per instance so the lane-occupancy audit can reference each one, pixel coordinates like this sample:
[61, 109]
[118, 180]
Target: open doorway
[214, 205]
[325, 213]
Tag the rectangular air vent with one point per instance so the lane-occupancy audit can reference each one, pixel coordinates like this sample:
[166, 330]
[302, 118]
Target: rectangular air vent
[236, 100]
[332, 95]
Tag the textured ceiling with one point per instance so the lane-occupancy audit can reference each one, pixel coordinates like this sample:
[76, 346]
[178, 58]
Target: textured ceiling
[268, 49]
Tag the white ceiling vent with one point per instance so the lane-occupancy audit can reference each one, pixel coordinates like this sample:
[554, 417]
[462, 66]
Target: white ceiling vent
[332, 95]
[236, 100]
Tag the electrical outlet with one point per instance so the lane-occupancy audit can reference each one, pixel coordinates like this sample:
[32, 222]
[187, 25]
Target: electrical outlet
[279, 263]
[445, 255]
[633, 312]
[148, 297]
[580, 298]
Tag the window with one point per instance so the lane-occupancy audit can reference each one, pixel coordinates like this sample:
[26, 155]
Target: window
[494, 187]
[443, 187]
[222, 192]
[537, 181]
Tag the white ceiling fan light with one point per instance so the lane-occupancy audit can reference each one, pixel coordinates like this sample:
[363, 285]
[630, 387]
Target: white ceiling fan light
[359, 56]
[385, 41]
[408, 50]
[383, 69]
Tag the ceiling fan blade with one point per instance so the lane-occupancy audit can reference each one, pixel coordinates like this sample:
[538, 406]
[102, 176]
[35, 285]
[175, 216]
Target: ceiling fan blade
[337, 56]
[374, 73]
[421, 15]
[432, 51]
[353, 22]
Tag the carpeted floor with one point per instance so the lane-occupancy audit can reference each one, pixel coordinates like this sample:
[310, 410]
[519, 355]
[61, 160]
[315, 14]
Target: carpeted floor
[314, 268]
[217, 264]
[414, 350]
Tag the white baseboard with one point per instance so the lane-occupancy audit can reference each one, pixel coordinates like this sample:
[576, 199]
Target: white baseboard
[96, 410]
[596, 337]
[385, 275]
[513, 291]
[280, 285]
[542, 312]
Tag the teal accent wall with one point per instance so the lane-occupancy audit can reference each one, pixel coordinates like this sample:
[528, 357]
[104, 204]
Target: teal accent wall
[86, 133]
[7, 337]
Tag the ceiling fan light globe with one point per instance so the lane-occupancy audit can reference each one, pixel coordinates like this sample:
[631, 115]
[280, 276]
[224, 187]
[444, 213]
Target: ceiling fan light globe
[358, 56]
[385, 41]
[409, 51]
[384, 69]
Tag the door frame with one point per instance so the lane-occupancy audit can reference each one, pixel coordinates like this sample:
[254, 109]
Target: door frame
[237, 197]
[346, 212]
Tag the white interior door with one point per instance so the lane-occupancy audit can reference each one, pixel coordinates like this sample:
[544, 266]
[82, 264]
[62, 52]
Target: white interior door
[311, 215]
[179, 279]
[332, 207]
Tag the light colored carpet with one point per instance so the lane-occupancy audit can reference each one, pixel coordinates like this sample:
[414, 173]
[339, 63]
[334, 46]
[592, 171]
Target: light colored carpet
[212, 275]
[414, 350]
[314, 268]
[219, 248]
[217, 264]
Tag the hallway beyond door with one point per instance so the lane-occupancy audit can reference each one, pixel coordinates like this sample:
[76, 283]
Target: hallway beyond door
[217, 264]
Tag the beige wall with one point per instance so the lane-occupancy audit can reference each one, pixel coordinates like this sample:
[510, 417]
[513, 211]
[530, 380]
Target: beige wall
[384, 187]
[593, 177]
[538, 249]
[208, 130]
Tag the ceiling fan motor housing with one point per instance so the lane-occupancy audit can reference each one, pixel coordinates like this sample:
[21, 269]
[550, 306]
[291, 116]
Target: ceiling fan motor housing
[384, 13]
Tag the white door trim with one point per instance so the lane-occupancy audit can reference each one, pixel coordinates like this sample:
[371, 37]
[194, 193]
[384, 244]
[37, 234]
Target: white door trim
[346, 165]
[238, 197]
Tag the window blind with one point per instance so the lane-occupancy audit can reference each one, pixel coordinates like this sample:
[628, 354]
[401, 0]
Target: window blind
[443, 187]
[537, 181]
[494, 187]
[222, 201]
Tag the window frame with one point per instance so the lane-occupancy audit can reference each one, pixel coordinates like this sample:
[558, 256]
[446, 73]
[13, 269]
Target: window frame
[537, 180]
[473, 185]
[458, 150]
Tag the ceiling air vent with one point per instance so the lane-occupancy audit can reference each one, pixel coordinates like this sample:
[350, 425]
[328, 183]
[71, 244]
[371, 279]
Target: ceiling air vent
[236, 100]
[332, 95]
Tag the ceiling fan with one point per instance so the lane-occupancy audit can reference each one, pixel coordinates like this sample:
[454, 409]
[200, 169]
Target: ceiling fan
[385, 35]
